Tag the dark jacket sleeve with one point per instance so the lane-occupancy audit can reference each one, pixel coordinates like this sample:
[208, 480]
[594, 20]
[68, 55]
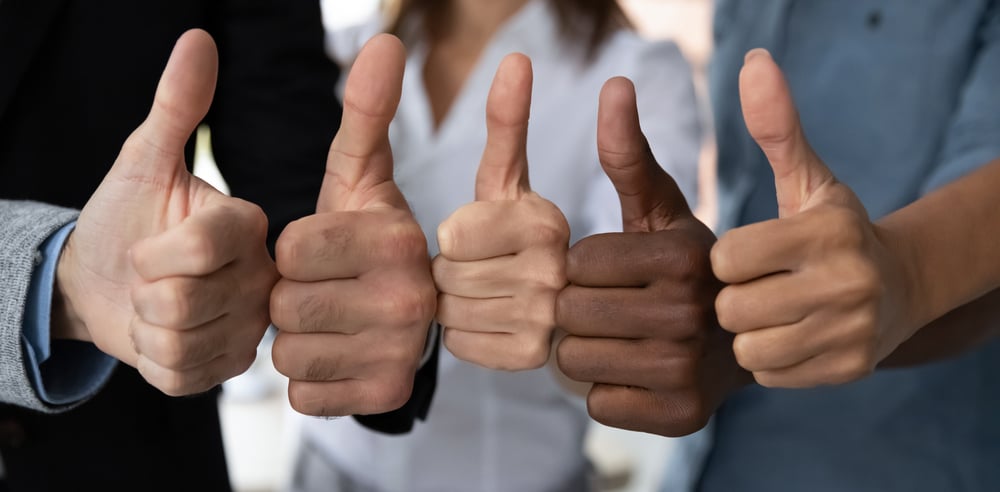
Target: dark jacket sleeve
[272, 121]
[401, 421]
[275, 111]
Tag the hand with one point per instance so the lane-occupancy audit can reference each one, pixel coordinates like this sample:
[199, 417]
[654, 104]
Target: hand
[815, 296]
[163, 271]
[356, 297]
[639, 307]
[503, 257]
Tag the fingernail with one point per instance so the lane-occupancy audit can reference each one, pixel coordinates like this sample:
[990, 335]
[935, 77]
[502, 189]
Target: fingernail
[755, 53]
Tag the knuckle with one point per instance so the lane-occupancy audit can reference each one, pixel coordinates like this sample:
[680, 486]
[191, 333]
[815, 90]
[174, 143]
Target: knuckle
[175, 301]
[744, 351]
[550, 226]
[721, 257]
[408, 306]
[391, 394]
[726, 308]
[304, 400]
[199, 248]
[535, 352]
[402, 240]
[689, 413]
[448, 237]
[551, 276]
[678, 371]
[172, 352]
[255, 218]
[768, 379]
[282, 356]
[855, 367]
[291, 248]
[176, 383]
[279, 305]
[843, 228]
[568, 355]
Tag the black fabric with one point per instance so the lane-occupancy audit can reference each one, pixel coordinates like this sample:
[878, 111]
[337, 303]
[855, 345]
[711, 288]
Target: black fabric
[76, 78]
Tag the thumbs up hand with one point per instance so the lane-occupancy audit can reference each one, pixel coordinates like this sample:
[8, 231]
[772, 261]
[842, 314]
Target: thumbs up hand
[162, 271]
[639, 307]
[356, 298]
[502, 259]
[814, 293]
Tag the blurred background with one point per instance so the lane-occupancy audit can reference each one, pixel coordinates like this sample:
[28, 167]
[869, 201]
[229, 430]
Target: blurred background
[259, 435]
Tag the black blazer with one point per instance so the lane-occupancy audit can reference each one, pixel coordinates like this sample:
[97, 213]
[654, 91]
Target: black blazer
[76, 78]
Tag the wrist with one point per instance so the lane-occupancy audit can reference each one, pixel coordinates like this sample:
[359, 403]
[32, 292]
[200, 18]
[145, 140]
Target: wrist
[66, 322]
[914, 293]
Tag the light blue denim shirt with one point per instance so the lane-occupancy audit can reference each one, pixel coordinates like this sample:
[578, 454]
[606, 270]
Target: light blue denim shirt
[898, 97]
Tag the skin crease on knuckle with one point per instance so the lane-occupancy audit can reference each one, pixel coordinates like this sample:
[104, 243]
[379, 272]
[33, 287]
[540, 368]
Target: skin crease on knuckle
[838, 228]
[200, 249]
[401, 242]
[290, 251]
[534, 350]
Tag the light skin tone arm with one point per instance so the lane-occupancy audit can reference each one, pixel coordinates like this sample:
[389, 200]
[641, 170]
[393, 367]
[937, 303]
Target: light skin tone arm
[950, 239]
[822, 295]
[163, 271]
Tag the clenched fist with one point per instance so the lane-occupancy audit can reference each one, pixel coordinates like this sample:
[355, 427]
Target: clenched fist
[639, 308]
[502, 259]
[356, 298]
[817, 297]
[163, 271]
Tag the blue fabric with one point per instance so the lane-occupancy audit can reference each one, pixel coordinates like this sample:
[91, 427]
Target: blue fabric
[898, 97]
[62, 371]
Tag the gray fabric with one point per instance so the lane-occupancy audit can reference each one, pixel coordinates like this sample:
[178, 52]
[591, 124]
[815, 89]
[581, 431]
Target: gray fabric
[24, 226]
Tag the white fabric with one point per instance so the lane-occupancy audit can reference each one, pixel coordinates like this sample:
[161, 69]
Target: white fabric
[488, 430]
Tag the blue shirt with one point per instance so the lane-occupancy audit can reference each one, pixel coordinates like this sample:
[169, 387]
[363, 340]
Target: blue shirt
[62, 372]
[898, 97]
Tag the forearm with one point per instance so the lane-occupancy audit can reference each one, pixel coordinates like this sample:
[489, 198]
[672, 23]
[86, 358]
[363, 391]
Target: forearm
[949, 242]
[962, 329]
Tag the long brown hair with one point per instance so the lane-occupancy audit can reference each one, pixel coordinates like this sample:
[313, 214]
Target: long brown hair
[588, 21]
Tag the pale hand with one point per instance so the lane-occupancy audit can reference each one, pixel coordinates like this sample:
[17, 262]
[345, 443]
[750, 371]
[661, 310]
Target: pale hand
[163, 271]
[503, 257]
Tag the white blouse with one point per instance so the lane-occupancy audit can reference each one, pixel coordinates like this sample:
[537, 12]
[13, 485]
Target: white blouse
[489, 430]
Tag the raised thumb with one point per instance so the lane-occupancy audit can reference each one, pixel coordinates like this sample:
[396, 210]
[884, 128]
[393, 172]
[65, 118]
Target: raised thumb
[773, 122]
[182, 99]
[503, 170]
[650, 198]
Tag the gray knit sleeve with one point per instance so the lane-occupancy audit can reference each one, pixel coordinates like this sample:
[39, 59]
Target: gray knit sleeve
[24, 226]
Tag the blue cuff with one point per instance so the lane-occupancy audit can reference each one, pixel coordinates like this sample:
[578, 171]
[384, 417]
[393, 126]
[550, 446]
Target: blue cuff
[62, 371]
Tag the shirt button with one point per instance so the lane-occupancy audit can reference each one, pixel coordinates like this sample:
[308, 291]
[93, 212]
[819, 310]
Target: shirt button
[874, 19]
